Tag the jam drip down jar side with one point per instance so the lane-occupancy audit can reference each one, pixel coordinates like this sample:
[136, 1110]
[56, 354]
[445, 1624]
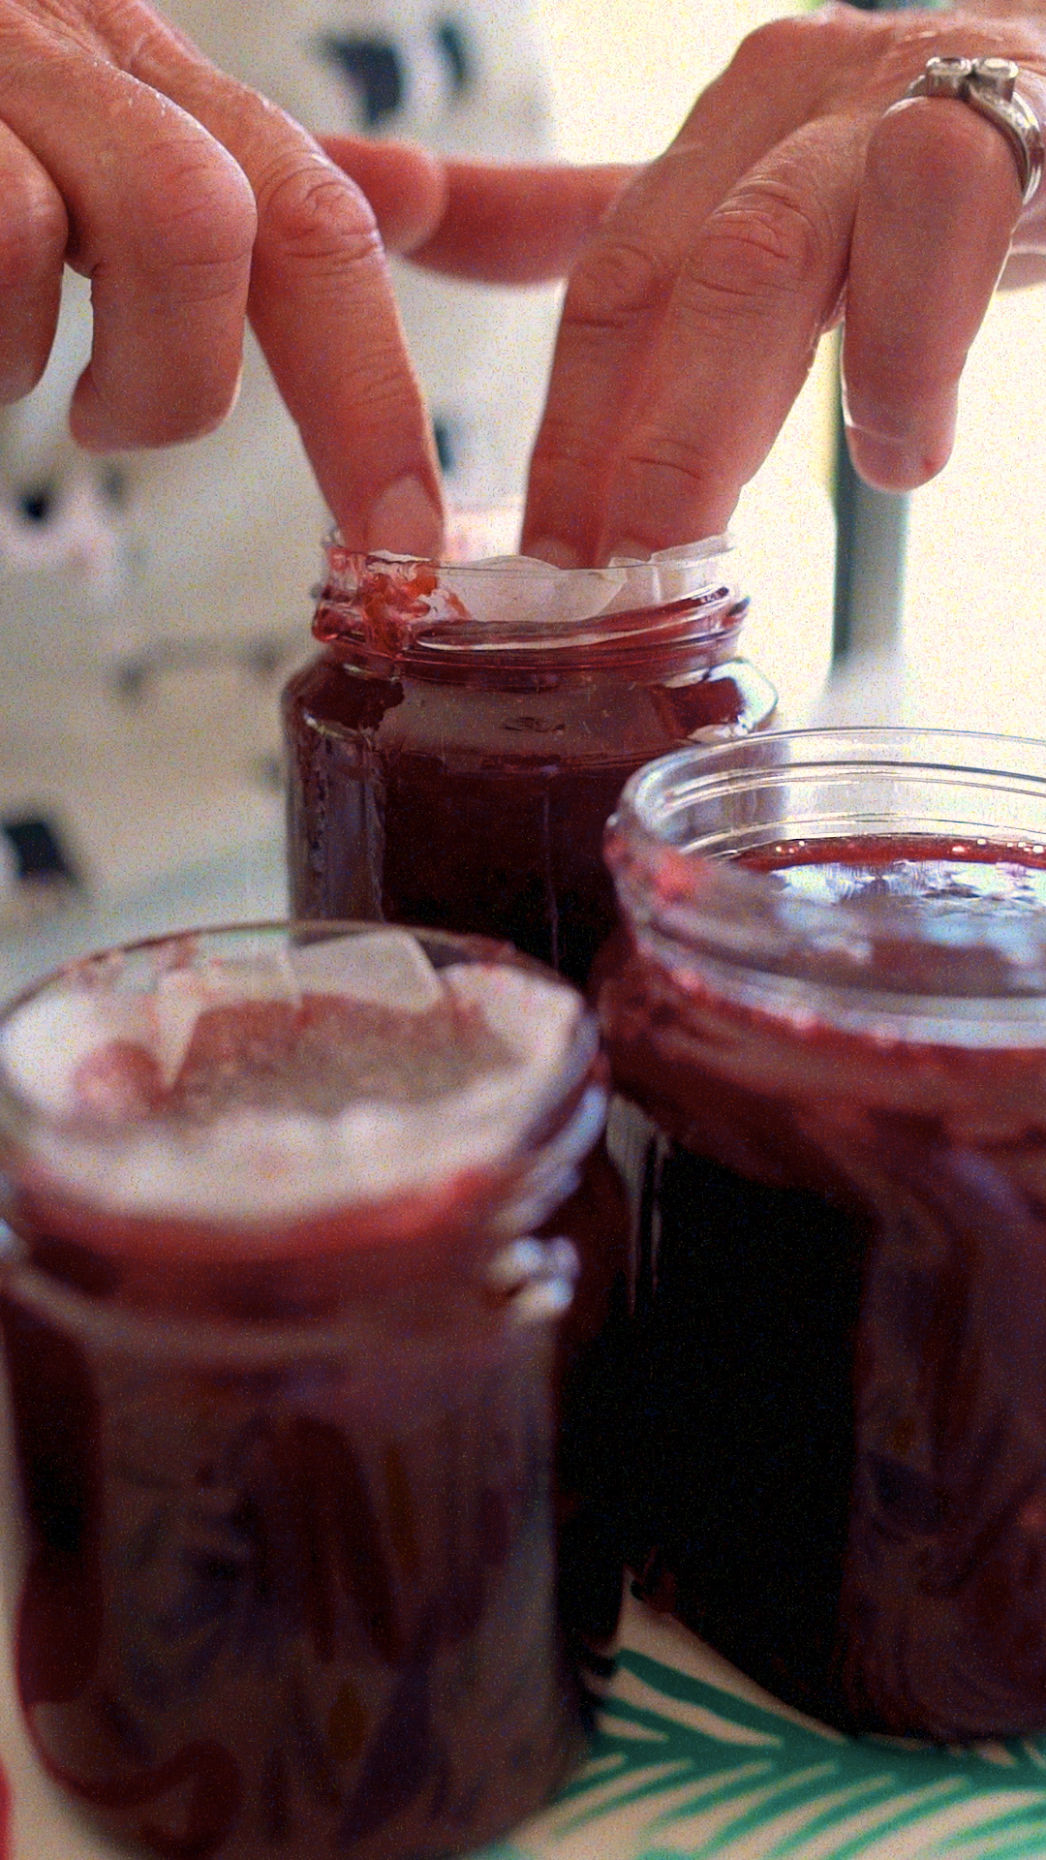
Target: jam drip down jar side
[831, 1005]
[455, 749]
[305, 1348]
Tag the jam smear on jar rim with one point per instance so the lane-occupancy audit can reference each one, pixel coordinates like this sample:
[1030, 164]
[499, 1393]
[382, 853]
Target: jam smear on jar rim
[454, 751]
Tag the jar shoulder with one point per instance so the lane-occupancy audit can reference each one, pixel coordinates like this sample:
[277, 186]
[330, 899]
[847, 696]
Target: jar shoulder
[570, 719]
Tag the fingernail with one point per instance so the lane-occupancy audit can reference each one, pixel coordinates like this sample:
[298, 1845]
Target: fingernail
[627, 549]
[553, 549]
[887, 463]
[405, 520]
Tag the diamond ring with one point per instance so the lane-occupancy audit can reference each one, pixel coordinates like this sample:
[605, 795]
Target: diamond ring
[988, 85]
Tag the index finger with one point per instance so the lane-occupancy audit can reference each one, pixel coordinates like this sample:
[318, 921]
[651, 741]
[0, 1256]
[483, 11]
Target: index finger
[323, 310]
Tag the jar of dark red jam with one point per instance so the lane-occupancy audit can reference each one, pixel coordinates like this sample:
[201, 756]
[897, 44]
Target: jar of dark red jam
[456, 747]
[310, 1541]
[830, 1004]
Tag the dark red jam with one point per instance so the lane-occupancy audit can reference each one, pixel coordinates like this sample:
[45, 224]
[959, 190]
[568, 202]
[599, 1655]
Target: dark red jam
[321, 1520]
[459, 771]
[839, 1465]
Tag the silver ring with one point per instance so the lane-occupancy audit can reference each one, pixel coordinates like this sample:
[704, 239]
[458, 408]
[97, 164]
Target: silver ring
[988, 85]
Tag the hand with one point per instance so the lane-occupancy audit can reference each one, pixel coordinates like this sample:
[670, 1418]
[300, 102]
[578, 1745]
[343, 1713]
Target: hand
[191, 202]
[794, 190]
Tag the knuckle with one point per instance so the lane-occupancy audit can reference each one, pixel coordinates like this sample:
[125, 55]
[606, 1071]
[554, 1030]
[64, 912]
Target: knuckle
[764, 243]
[666, 463]
[774, 46]
[618, 282]
[1013, 32]
[894, 49]
[315, 213]
[955, 156]
[207, 223]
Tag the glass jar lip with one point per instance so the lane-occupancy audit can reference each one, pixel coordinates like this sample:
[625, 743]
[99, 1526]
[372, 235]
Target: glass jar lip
[681, 820]
[561, 1122]
[502, 606]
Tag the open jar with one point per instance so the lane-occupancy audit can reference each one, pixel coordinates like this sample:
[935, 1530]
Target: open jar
[830, 1004]
[305, 1321]
[455, 749]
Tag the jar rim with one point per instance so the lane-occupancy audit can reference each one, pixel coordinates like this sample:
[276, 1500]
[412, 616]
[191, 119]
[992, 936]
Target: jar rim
[966, 973]
[507, 606]
[54, 1156]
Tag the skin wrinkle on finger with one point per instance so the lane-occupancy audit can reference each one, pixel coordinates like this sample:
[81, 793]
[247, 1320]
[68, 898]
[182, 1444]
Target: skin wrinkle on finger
[312, 212]
[307, 207]
[406, 186]
[761, 244]
[48, 22]
[169, 292]
[209, 223]
[169, 289]
[615, 300]
[365, 372]
[361, 379]
[619, 290]
[623, 283]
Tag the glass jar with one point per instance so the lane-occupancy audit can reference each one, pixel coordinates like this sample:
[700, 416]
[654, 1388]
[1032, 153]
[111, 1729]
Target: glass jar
[455, 749]
[830, 1004]
[304, 1313]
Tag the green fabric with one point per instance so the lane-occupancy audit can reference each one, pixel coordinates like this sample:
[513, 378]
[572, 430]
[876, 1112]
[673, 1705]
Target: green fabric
[685, 1768]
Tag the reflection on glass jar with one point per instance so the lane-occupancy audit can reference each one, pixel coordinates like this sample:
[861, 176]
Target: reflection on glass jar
[831, 1004]
[307, 1347]
[456, 748]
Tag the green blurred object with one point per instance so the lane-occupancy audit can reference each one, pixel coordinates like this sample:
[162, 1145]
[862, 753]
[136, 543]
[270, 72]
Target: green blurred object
[871, 535]
[871, 526]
